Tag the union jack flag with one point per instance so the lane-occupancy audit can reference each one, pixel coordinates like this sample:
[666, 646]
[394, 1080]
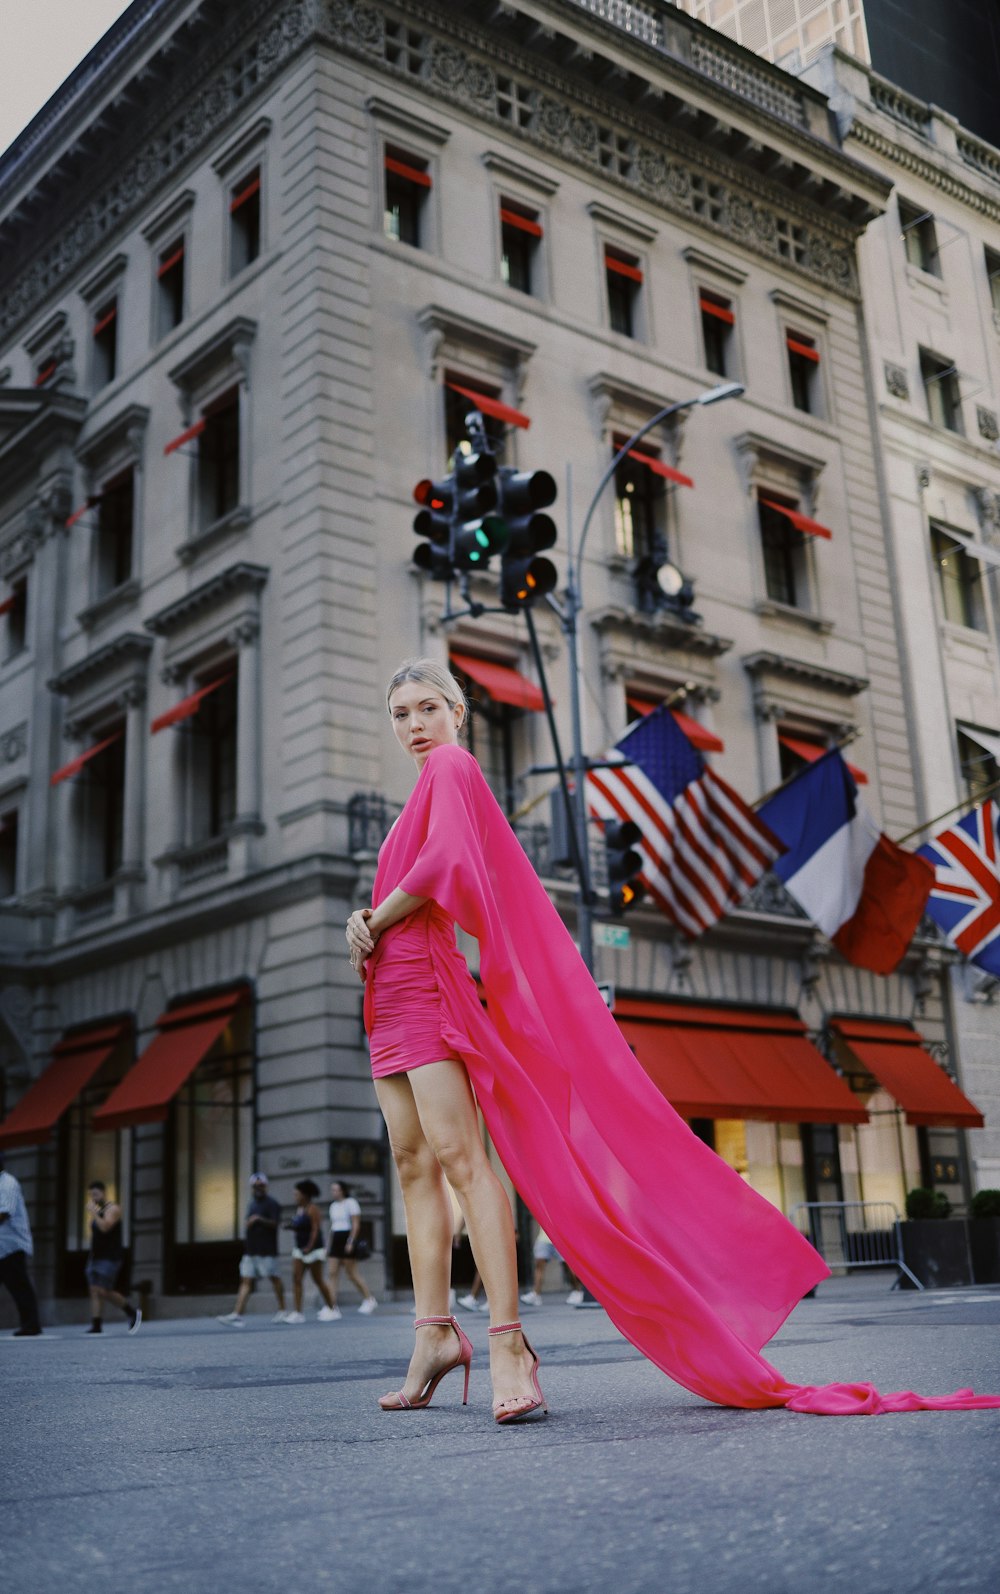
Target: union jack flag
[965, 898]
[702, 847]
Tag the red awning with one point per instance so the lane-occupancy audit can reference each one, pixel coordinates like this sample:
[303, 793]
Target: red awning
[45, 372]
[188, 705]
[745, 1063]
[895, 1055]
[6, 604]
[514, 218]
[722, 311]
[79, 513]
[186, 1036]
[800, 522]
[658, 468]
[105, 319]
[505, 685]
[76, 764]
[698, 735]
[75, 1061]
[252, 187]
[624, 268]
[805, 349]
[810, 752]
[492, 406]
[171, 261]
[186, 436]
[413, 174]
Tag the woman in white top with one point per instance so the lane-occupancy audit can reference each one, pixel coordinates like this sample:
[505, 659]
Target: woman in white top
[345, 1229]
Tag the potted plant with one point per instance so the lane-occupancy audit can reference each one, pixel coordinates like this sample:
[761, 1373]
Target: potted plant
[936, 1250]
[984, 1236]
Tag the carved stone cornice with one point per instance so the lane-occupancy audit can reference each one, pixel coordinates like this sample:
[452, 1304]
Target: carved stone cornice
[888, 145]
[759, 455]
[232, 583]
[663, 628]
[124, 433]
[229, 346]
[447, 332]
[33, 421]
[760, 665]
[132, 648]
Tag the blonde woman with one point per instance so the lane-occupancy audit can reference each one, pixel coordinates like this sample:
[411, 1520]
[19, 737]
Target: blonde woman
[690, 1263]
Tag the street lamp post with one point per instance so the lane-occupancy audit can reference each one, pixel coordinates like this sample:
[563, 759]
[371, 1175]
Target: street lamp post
[567, 612]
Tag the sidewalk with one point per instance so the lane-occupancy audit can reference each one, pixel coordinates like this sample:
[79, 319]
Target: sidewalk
[195, 1458]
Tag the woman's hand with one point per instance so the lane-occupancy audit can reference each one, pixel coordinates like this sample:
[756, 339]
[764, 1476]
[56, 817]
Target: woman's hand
[360, 939]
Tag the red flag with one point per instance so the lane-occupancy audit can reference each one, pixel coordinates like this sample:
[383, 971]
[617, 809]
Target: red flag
[892, 902]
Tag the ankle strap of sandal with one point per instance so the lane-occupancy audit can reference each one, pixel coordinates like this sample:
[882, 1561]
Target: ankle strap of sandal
[424, 1322]
[506, 1328]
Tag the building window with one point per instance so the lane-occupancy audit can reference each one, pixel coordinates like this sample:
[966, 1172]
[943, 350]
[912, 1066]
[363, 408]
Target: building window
[624, 285]
[980, 769]
[490, 732]
[101, 796]
[640, 507]
[105, 344]
[457, 407]
[717, 322]
[14, 610]
[919, 237]
[219, 459]
[993, 276]
[944, 401]
[115, 515]
[8, 853]
[170, 288]
[407, 186]
[45, 370]
[213, 1139]
[960, 580]
[520, 239]
[213, 757]
[244, 221]
[803, 371]
[784, 550]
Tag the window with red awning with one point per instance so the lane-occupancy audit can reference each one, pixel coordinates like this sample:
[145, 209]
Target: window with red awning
[803, 523]
[898, 1058]
[698, 735]
[188, 706]
[78, 763]
[503, 683]
[492, 406]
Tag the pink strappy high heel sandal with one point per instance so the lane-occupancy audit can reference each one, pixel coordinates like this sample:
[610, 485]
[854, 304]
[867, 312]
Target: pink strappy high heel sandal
[399, 1401]
[538, 1408]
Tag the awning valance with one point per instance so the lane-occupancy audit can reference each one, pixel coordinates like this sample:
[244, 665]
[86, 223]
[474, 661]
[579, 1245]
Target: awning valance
[989, 741]
[187, 706]
[894, 1053]
[504, 684]
[801, 522]
[659, 468]
[698, 735]
[187, 1034]
[76, 764]
[75, 1061]
[810, 751]
[714, 1062]
[493, 407]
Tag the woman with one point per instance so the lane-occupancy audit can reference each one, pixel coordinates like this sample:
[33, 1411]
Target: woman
[345, 1230]
[693, 1267]
[308, 1252]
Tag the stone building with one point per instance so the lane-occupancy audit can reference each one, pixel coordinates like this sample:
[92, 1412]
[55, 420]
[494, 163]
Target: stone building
[254, 259]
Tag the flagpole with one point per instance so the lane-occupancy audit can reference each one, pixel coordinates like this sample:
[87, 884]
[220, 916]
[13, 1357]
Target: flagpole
[948, 812]
[834, 747]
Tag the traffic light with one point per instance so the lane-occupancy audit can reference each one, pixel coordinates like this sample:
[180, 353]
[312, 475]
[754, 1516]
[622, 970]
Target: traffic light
[478, 532]
[434, 523]
[523, 575]
[625, 889]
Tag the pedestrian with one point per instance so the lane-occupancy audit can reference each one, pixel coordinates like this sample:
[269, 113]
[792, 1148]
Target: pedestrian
[260, 1252]
[309, 1253]
[107, 1254]
[543, 1253]
[15, 1249]
[345, 1239]
[690, 1263]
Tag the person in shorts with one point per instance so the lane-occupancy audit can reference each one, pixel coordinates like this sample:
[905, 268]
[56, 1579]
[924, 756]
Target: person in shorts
[309, 1252]
[345, 1231]
[545, 1252]
[104, 1263]
[260, 1252]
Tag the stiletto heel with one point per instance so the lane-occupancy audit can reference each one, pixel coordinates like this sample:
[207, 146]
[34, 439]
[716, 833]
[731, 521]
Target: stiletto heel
[463, 1359]
[536, 1409]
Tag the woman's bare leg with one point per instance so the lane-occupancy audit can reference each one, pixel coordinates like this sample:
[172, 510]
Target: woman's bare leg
[351, 1269]
[316, 1274]
[332, 1278]
[297, 1283]
[447, 1113]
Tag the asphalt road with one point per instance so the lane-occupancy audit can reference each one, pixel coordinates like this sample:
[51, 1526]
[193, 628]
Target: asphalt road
[197, 1458]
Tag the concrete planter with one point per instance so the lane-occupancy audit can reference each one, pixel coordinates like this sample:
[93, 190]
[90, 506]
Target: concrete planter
[937, 1250]
[984, 1244]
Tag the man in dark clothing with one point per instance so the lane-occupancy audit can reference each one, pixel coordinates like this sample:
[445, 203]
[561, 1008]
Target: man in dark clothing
[260, 1252]
[15, 1249]
[107, 1254]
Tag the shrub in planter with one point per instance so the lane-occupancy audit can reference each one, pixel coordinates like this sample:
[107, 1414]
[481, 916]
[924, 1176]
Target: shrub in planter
[984, 1236]
[922, 1203]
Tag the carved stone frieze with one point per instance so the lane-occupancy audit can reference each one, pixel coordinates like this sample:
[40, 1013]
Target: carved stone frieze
[986, 420]
[130, 650]
[988, 510]
[662, 629]
[14, 743]
[761, 665]
[923, 477]
[238, 580]
[896, 380]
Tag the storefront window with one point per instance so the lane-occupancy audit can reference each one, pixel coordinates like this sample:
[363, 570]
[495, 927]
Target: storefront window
[213, 1140]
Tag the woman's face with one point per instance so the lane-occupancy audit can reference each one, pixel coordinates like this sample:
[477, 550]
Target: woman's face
[422, 720]
[336, 1192]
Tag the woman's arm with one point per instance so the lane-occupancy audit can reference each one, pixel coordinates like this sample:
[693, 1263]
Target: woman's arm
[366, 924]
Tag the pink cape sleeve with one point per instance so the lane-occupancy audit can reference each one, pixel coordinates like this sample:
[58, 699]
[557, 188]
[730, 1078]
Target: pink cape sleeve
[694, 1268]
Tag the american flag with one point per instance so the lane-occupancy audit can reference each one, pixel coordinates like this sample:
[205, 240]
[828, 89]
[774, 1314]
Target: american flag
[965, 898]
[702, 847]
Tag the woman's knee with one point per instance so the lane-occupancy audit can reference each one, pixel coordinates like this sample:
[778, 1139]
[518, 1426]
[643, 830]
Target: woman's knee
[460, 1159]
[415, 1163]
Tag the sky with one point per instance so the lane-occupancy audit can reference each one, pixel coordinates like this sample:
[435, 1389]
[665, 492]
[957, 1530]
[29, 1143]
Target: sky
[41, 41]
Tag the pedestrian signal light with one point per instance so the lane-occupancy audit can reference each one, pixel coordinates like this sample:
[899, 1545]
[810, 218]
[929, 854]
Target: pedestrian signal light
[625, 864]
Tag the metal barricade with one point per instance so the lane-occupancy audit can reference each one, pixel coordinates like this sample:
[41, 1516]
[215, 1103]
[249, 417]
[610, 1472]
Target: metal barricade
[854, 1234]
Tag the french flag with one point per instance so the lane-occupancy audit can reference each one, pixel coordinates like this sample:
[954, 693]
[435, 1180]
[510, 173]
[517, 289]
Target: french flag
[856, 885]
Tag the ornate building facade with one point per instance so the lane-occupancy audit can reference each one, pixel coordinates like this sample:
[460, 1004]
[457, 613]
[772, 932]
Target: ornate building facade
[254, 258]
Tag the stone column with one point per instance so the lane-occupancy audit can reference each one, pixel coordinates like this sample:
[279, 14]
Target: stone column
[132, 871]
[245, 637]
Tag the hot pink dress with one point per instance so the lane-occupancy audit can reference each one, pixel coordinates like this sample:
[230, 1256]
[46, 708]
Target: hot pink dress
[402, 994]
[693, 1267]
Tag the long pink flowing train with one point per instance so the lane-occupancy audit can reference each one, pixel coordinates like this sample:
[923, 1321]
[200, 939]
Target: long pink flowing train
[694, 1268]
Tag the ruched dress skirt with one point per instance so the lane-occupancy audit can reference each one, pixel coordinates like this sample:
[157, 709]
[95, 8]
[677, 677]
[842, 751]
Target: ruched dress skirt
[403, 1005]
